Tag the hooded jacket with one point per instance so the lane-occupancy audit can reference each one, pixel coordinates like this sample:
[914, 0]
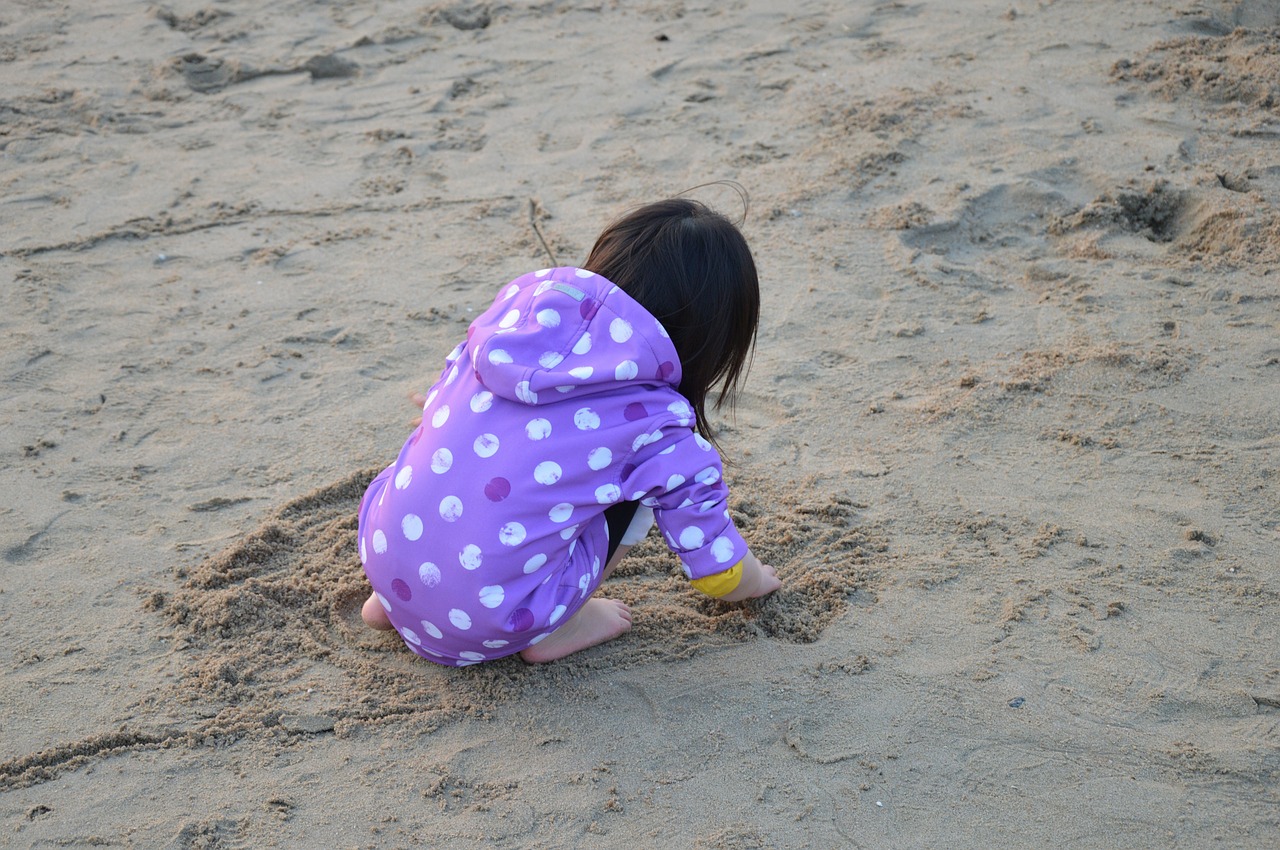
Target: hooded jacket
[488, 530]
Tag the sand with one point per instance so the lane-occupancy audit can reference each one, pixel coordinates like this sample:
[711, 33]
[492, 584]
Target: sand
[1011, 434]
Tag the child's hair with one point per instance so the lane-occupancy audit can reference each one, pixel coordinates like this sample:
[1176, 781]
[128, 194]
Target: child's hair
[690, 267]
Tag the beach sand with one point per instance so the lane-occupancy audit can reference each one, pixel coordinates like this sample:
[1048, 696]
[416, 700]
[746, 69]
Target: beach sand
[1011, 434]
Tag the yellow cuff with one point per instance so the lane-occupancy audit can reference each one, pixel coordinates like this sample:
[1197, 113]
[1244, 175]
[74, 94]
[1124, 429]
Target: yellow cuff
[720, 584]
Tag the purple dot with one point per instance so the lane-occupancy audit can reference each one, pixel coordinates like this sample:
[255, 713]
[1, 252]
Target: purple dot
[635, 411]
[402, 590]
[666, 369]
[588, 308]
[497, 489]
[521, 620]
[628, 470]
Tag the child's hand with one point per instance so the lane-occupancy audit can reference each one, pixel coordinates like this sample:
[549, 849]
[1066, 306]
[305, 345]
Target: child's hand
[757, 580]
[418, 400]
[767, 580]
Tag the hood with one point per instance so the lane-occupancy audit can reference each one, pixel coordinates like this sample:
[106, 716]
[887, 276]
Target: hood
[567, 332]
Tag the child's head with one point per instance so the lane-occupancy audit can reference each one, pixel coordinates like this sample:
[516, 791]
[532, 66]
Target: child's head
[690, 267]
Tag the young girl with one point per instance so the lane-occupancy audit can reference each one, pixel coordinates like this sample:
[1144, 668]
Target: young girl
[571, 418]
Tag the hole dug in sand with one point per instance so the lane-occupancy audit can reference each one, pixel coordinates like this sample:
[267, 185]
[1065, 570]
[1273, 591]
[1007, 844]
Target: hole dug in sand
[271, 626]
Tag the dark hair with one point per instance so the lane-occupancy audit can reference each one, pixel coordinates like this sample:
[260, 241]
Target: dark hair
[690, 267]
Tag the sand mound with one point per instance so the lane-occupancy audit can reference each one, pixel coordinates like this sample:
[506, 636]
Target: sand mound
[1225, 222]
[1241, 68]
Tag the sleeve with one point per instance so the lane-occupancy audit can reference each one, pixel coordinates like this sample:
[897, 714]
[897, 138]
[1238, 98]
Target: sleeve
[679, 474]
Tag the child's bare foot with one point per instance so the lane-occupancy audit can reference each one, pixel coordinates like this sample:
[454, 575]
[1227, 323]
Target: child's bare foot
[597, 621]
[374, 615]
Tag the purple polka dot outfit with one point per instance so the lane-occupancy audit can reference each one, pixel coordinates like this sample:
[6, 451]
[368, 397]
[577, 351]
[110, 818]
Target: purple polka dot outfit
[488, 530]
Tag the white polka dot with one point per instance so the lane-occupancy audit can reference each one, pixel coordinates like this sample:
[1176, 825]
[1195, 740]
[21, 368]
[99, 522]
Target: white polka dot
[722, 549]
[441, 460]
[702, 443]
[584, 581]
[626, 370]
[586, 419]
[486, 445]
[429, 573]
[709, 505]
[510, 319]
[540, 637]
[470, 656]
[568, 388]
[668, 450]
[411, 525]
[510, 292]
[550, 359]
[461, 619]
[431, 396]
[547, 472]
[680, 409]
[481, 401]
[382, 600]
[548, 318]
[411, 636]
[440, 417]
[595, 566]
[637, 495]
[608, 493]
[566, 533]
[692, 537]
[661, 330]
[450, 508]
[498, 357]
[561, 512]
[403, 477]
[542, 272]
[535, 563]
[512, 534]
[620, 330]
[538, 429]
[710, 475]
[379, 541]
[583, 345]
[556, 614]
[646, 439]
[544, 286]
[599, 458]
[491, 596]
[581, 372]
[470, 557]
[525, 394]
[494, 644]
[674, 481]
[364, 554]
[456, 353]
[584, 273]
[431, 629]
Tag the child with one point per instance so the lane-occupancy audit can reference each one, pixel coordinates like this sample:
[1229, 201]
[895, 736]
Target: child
[571, 417]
